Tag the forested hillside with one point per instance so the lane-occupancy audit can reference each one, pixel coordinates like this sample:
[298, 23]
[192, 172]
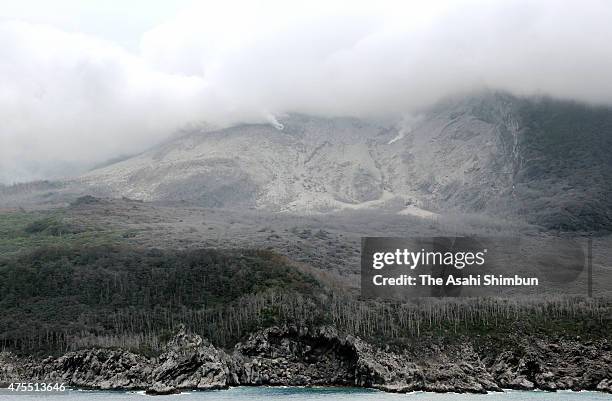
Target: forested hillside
[57, 294]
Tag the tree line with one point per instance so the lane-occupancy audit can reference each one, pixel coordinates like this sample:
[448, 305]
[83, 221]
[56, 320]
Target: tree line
[56, 299]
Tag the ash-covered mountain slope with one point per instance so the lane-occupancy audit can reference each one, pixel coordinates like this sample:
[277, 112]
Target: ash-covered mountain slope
[549, 161]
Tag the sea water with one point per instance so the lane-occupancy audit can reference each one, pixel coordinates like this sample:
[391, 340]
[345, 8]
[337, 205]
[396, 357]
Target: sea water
[303, 394]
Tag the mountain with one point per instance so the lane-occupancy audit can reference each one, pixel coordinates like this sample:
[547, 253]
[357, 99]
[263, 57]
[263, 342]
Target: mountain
[546, 160]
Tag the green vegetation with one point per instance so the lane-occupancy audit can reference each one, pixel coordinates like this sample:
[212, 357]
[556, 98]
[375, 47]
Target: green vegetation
[59, 298]
[50, 226]
[53, 294]
[64, 286]
[24, 231]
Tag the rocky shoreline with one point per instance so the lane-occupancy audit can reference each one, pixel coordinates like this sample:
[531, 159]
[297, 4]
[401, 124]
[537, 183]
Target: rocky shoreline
[299, 356]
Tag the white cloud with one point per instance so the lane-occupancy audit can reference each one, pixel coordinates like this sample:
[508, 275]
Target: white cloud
[69, 99]
[75, 99]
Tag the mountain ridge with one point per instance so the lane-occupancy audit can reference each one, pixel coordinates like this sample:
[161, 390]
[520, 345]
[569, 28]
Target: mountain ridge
[542, 160]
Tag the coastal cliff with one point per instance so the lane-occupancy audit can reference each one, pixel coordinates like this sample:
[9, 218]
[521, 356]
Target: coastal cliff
[321, 356]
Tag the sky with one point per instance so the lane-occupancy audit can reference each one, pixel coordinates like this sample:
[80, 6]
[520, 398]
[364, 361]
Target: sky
[84, 82]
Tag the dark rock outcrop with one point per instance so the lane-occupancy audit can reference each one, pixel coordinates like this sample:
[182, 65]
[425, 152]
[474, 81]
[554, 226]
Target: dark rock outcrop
[191, 363]
[299, 356]
[559, 365]
[430, 367]
[161, 389]
[95, 368]
[296, 356]
[293, 356]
